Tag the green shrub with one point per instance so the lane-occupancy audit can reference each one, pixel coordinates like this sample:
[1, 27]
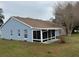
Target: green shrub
[49, 52]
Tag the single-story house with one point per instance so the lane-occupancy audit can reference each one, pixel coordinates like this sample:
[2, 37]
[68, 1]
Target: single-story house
[31, 30]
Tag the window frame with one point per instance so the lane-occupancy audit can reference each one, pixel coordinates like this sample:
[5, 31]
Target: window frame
[25, 33]
[19, 34]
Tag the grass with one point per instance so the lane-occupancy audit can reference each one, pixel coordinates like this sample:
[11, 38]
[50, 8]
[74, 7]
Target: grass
[26, 49]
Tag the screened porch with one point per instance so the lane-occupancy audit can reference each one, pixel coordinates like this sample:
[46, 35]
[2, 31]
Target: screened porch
[44, 35]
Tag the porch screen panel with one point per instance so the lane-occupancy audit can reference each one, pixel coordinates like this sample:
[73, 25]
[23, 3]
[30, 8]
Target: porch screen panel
[53, 33]
[49, 33]
[44, 35]
[36, 35]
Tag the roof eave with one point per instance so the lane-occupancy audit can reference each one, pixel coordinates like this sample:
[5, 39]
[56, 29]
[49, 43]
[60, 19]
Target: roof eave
[55, 28]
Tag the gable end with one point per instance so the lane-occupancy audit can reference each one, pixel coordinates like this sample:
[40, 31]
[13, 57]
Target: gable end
[16, 20]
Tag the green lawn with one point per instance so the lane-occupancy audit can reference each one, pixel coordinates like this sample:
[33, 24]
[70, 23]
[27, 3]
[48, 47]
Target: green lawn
[20, 48]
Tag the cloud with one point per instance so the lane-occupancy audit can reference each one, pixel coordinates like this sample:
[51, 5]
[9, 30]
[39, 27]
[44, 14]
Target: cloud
[33, 9]
[1, 5]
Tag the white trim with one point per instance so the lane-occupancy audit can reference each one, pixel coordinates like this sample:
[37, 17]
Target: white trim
[36, 29]
[22, 22]
[47, 34]
[55, 34]
[41, 36]
[37, 39]
[32, 36]
[47, 28]
[50, 41]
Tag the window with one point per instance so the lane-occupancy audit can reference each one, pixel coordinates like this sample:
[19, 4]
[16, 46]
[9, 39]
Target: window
[36, 35]
[18, 32]
[25, 33]
[11, 32]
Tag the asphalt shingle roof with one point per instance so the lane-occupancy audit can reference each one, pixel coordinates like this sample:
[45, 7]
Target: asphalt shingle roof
[38, 23]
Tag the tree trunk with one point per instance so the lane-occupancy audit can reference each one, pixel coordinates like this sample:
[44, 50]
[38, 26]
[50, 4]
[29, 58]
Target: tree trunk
[69, 32]
[66, 31]
[62, 39]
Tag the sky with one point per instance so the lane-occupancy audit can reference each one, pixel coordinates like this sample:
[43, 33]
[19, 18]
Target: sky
[34, 9]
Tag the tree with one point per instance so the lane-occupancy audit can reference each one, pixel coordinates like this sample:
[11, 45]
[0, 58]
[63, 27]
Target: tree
[64, 14]
[1, 17]
[76, 13]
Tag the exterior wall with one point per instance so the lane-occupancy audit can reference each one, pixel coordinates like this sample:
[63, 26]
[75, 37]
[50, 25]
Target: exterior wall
[15, 26]
[57, 33]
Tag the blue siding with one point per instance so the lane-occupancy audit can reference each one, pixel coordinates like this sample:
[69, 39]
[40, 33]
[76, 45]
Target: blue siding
[15, 26]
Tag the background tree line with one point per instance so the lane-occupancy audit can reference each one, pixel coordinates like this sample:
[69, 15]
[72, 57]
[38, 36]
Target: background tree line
[67, 15]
